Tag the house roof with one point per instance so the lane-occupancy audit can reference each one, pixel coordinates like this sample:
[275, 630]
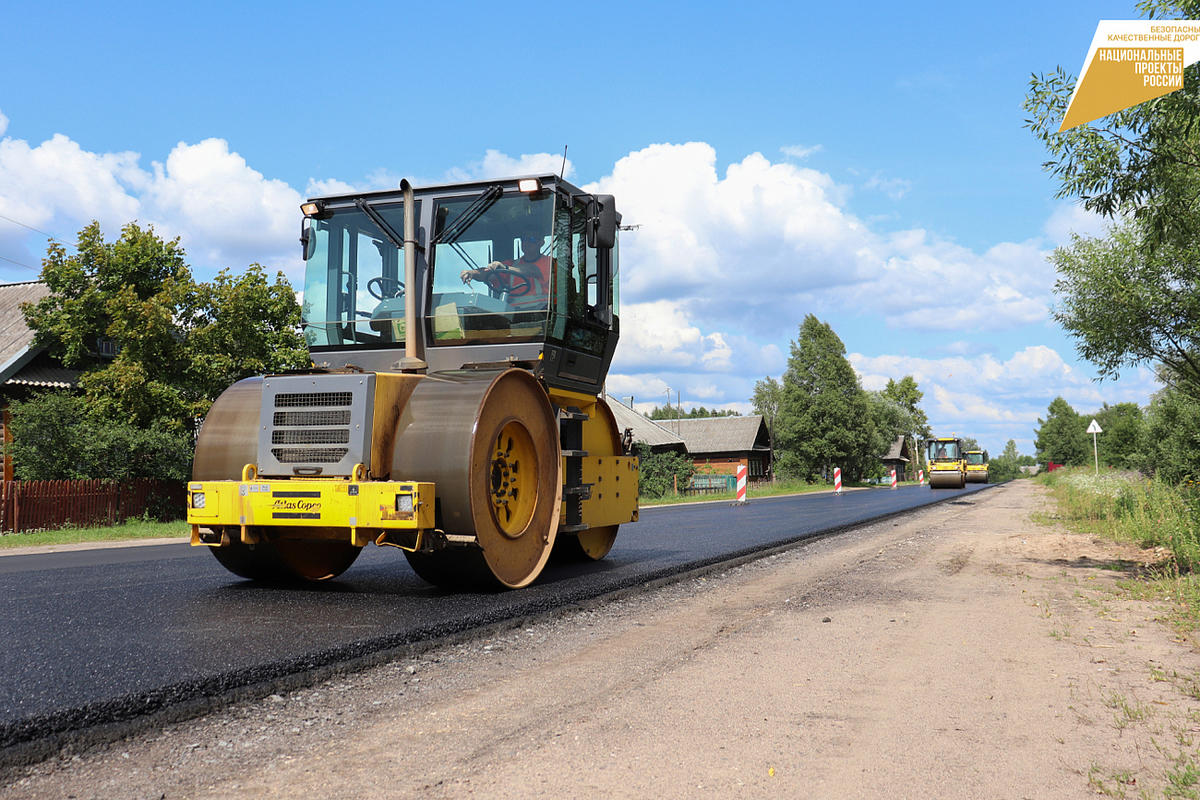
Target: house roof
[45, 375]
[644, 429]
[16, 339]
[898, 451]
[723, 434]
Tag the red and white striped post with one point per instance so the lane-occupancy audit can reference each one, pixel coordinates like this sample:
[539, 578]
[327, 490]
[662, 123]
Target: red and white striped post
[893, 479]
[921, 477]
[837, 480]
[741, 483]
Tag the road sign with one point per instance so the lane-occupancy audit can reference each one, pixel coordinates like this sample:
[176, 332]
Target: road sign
[1093, 429]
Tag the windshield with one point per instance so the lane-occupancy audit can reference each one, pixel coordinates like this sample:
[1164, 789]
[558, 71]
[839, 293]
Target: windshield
[354, 279]
[943, 450]
[975, 458]
[491, 280]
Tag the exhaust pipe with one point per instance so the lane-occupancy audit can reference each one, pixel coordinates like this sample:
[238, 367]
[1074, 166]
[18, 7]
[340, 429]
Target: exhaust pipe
[414, 343]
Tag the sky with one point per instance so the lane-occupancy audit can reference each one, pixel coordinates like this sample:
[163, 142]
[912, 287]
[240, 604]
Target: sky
[777, 159]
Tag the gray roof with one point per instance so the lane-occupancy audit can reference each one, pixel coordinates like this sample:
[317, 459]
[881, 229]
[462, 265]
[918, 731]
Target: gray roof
[45, 375]
[722, 434]
[16, 339]
[644, 429]
[897, 450]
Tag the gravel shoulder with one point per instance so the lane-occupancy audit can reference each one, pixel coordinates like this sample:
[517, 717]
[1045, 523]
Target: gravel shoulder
[961, 651]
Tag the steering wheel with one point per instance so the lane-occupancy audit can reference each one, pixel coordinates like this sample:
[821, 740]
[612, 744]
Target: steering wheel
[519, 283]
[385, 288]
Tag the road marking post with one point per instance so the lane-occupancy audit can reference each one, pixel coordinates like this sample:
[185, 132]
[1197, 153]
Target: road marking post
[893, 479]
[921, 477]
[741, 485]
[837, 480]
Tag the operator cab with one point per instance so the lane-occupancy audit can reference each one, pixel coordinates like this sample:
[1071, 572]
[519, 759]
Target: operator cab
[522, 270]
[942, 450]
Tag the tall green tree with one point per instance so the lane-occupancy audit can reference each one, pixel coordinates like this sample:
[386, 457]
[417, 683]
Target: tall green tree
[1061, 435]
[154, 346]
[907, 393]
[767, 400]
[825, 418]
[1170, 446]
[1120, 443]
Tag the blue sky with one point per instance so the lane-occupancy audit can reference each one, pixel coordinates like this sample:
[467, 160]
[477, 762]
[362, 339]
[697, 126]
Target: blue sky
[869, 167]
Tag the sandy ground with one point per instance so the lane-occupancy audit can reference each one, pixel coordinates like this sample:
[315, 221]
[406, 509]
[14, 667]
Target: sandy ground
[963, 651]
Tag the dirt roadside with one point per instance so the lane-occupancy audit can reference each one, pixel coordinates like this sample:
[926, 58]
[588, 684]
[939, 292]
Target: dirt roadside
[963, 651]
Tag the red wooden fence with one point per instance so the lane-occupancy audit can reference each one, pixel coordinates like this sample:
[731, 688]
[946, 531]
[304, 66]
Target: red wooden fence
[35, 505]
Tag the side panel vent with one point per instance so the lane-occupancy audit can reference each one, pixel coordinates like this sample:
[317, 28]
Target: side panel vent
[327, 434]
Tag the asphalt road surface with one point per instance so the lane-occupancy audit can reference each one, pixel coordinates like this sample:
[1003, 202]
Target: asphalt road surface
[93, 637]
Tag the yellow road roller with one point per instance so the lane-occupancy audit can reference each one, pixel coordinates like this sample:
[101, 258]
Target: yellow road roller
[977, 466]
[460, 337]
[947, 467]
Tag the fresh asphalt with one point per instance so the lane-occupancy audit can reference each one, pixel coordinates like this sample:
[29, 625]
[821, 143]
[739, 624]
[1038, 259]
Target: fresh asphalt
[99, 637]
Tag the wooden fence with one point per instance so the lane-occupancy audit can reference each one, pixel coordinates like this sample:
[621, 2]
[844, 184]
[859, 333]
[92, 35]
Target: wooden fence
[37, 505]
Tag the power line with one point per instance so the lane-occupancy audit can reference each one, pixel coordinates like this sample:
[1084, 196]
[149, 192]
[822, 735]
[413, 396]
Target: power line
[49, 236]
[20, 264]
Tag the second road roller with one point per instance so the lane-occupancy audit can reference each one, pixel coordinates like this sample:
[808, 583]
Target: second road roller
[460, 337]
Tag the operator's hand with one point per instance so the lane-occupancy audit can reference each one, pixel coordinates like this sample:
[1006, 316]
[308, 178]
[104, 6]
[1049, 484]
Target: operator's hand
[469, 275]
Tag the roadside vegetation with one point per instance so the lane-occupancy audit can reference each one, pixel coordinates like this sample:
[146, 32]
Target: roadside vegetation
[1150, 513]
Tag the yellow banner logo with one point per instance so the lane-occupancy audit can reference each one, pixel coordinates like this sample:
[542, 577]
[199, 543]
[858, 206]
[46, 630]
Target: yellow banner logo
[1130, 63]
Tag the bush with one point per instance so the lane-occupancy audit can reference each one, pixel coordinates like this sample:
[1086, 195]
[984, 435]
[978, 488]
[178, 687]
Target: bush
[54, 438]
[659, 473]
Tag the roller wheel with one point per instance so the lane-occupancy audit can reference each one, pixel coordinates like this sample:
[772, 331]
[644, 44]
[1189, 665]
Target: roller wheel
[489, 442]
[601, 437]
[228, 441]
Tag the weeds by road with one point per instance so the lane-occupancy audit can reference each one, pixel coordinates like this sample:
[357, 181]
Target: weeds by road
[1156, 516]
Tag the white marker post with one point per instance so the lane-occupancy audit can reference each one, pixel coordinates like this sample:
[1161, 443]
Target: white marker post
[1093, 429]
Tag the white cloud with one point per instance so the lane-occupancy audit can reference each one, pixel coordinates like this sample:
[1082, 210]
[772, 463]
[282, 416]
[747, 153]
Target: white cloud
[1069, 218]
[228, 213]
[3, 123]
[799, 150]
[894, 188]
[499, 165]
[59, 184]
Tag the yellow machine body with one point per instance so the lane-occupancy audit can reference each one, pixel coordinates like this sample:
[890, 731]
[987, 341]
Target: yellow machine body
[976, 466]
[460, 336]
[947, 465]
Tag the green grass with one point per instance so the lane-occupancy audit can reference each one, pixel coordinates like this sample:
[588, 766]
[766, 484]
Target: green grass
[132, 529]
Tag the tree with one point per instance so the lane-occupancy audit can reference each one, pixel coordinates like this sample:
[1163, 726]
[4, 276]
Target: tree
[1170, 446]
[1127, 304]
[1061, 436]
[659, 473]
[907, 393]
[699, 412]
[1005, 466]
[155, 348]
[1119, 445]
[825, 418]
[890, 419]
[768, 395]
